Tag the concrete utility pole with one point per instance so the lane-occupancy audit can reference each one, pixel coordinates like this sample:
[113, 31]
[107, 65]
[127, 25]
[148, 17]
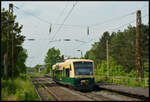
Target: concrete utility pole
[107, 59]
[11, 31]
[138, 47]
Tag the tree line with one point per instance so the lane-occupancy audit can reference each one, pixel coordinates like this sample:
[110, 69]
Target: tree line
[20, 54]
[122, 48]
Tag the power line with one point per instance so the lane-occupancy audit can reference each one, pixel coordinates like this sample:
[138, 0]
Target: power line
[33, 15]
[112, 19]
[125, 24]
[112, 29]
[120, 27]
[40, 18]
[117, 18]
[61, 24]
[129, 23]
[58, 18]
[80, 45]
[61, 13]
[65, 20]
[47, 22]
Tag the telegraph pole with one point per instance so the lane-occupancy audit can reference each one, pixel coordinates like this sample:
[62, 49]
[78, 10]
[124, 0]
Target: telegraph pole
[11, 31]
[138, 49]
[107, 59]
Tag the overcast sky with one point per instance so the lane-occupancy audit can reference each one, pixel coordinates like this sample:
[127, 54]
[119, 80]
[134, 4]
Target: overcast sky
[36, 18]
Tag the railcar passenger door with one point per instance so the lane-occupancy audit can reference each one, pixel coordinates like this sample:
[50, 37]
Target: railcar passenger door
[67, 72]
[67, 75]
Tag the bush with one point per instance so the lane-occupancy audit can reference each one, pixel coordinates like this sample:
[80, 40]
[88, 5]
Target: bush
[128, 79]
[21, 88]
[23, 76]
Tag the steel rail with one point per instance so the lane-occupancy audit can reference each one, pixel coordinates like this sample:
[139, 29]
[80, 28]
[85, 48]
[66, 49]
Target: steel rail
[83, 94]
[35, 88]
[49, 91]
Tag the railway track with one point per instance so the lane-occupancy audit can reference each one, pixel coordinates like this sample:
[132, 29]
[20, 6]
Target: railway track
[39, 93]
[44, 88]
[61, 93]
[54, 90]
[90, 96]
[87, 96]
[36, 90]
[49, 90]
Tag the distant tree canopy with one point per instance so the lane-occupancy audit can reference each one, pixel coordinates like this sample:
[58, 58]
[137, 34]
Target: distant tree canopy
[36, 68]
[73, 58]
[122, 47]
[30, 69]
[19, 52]
[53, 56]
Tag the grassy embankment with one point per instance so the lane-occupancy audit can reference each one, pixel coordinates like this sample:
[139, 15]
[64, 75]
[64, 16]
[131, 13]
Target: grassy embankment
[20, 89]
[123, 80]
[118, 74]
[126, 79]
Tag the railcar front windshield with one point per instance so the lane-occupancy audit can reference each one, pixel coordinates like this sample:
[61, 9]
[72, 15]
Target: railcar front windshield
[83, 68]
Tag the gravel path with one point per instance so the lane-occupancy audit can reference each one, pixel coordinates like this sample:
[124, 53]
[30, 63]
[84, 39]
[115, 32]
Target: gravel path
[120, 88]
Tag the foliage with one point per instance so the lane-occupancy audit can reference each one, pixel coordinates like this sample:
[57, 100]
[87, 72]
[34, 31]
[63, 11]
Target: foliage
[53, 56]
[22, 91]
[36, 68]
[30, 69]
[73, 58]
[19, 52]
[122, 55]
[118, 74]
[146, 69]
[123, 80]
[114, 69]
[122, 47]
[20, 60]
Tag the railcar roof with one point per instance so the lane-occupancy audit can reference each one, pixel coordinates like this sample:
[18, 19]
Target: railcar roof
[62, 64]
[75, 60]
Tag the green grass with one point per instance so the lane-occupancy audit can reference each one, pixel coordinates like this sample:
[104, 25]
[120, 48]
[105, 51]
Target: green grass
[126, 81]
[21, 89]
